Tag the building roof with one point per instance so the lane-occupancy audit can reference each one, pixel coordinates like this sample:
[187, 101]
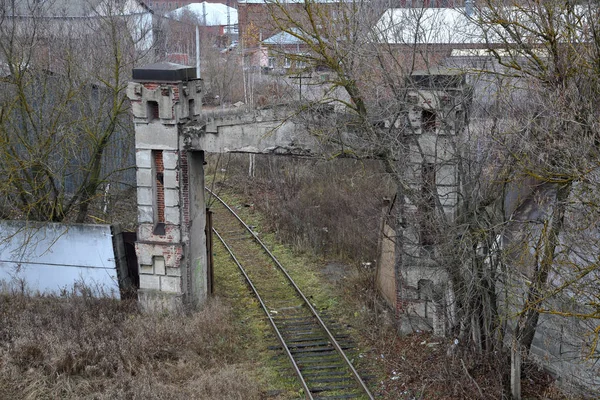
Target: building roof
[427, 25]
[164, 71]
[216, 13]
[457, 26]
[284, 38]
[74, 8]
[289, 1]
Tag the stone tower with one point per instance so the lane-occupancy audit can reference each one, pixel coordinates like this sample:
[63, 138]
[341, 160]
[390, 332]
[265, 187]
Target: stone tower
[171, 242]
[438, 102]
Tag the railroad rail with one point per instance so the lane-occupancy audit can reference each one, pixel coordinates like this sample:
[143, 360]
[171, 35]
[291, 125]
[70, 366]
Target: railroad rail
[319, 361]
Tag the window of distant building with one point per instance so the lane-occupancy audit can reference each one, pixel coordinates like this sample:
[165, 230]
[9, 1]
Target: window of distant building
[287, 63]
[301, 63]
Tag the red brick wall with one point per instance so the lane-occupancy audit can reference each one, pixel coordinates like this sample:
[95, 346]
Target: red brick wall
[185, 190]
[159, 170]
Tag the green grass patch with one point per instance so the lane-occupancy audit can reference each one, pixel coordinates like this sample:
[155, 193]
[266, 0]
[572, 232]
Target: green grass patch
[271, 367]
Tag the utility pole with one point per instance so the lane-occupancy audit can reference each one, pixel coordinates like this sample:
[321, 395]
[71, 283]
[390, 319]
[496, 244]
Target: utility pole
[197, 51]
[228, 22]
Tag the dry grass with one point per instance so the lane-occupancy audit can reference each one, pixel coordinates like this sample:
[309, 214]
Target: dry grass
[82, 347]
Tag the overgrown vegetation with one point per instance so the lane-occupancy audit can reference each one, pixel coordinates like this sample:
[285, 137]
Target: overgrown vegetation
[329, 208]
[82, 347]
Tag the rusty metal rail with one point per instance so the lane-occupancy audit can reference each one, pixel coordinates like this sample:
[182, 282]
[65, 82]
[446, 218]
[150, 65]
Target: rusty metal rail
[318, 359]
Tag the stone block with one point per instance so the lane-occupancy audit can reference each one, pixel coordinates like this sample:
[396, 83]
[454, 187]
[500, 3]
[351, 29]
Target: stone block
[172, 215]
[159, 265]
[411, 237]
[412, 250]
[413, 172]
[181, 110]
[415, 156]
[134, 91]
[149, 92]
[143, 158]
[150, 282]
[165, 107]
[145, 196]
[409, 323]
[170, 159]
[446, 175]
[145, 214]
[156, 302]
[446, 149]
[170, 284]
[174, 272]
[139, 110]
[448, 195]
[144, 253]
[172, 233]
[428, 143]
[450, 211]
[146, 269]
[419, 308]
[144, 177]
[171, 179]
[171, 198]
[172, 253]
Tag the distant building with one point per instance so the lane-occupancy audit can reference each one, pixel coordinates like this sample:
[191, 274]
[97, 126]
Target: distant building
[285, 51]
[213, 18]
[169, 5]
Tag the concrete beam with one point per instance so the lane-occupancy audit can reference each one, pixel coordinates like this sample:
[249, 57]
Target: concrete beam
[155, 136]
[261, 132]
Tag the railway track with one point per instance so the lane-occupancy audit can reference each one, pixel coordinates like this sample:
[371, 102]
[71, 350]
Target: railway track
[318, 359]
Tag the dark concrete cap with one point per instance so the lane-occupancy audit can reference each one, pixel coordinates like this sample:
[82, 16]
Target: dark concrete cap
[164, 72]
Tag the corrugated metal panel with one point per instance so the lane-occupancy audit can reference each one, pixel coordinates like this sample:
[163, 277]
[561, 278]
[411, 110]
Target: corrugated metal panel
[50, 258]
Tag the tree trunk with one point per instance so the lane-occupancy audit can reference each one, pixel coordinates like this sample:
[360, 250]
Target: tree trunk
[528, 319]
[515, 370]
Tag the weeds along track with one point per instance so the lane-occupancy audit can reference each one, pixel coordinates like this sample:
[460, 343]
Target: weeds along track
[319, 361]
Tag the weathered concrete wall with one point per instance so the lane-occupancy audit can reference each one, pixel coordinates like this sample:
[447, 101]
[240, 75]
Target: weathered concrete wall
[198, 284]
[250, 131]
[563, 345]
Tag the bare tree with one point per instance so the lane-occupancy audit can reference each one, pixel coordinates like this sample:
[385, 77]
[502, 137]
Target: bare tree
[64, 109]
[552, 48]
